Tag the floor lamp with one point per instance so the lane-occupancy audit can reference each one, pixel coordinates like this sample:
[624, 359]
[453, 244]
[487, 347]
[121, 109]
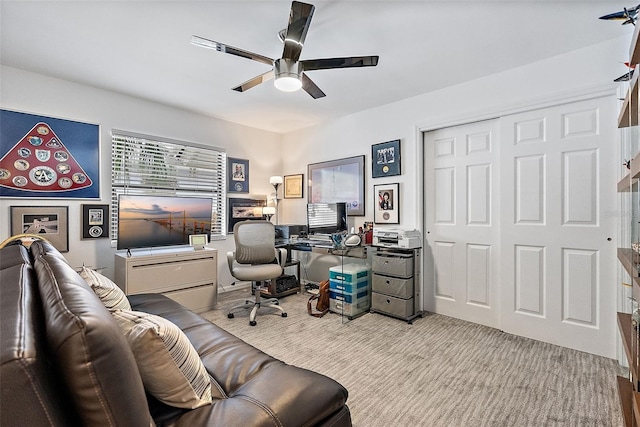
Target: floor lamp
[276, 181]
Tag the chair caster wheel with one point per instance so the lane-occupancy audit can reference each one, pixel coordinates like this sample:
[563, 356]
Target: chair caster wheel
[230, 316]
[284, 314]
[253, 323]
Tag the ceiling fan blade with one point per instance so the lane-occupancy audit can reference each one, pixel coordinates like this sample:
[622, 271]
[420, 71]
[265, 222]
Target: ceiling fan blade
[221, 47]
[254, 81]
[310, 87]
[299, 22]
[354, 61]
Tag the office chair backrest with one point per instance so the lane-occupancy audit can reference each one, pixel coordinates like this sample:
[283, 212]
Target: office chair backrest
[255, 242]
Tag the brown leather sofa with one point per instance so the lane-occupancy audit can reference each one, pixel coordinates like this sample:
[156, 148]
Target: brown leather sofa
[64, 362]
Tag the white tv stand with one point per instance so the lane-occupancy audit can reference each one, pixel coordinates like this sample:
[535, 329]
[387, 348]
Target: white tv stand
[188, 277]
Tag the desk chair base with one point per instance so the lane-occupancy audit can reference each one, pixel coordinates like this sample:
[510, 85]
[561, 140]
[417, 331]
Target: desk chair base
[255, 305]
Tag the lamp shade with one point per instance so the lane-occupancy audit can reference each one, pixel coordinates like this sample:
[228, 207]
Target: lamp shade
[275, 180]
[268, 210]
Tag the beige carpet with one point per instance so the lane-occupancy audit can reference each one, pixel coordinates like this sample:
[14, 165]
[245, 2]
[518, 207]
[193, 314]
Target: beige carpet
[439, 371]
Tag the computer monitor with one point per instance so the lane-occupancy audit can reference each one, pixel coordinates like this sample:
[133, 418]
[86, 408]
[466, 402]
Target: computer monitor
[326, 217]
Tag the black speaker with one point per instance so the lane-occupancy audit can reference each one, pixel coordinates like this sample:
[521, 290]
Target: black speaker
[286, 282]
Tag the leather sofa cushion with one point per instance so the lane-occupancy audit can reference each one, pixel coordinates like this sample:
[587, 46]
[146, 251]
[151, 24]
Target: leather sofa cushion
[170, 367]
[14, 255]
[27, 378]
[266, 391]
[90, 353]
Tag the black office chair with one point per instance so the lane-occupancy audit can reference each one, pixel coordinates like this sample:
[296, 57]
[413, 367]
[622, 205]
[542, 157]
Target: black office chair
[256, 259]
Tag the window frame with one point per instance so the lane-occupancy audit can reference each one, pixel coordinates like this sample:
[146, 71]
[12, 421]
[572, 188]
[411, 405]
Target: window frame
[151, 165]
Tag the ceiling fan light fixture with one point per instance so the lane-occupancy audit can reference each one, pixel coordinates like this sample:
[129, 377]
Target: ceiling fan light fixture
[287, 75]
[288, 83]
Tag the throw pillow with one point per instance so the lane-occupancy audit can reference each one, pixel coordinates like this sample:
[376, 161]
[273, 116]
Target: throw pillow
[109, 293]
[170, 367]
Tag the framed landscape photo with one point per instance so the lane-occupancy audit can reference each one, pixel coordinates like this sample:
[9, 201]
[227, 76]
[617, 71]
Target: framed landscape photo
[385, 159]
[237, 175]
[241, 209]
[387, 203]
[95, 221]
[52, 222]
[293, 188]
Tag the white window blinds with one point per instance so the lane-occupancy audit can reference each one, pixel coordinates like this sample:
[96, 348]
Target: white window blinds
[149, 165]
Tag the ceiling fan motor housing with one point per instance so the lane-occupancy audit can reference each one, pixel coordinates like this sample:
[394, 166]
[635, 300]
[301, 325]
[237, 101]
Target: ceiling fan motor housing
[287, 74]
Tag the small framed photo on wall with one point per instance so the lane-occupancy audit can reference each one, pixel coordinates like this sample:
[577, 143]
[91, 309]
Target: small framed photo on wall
[237, 175]
[293, 188]
[385, 159]
[95, 221]
[387, 203]
[51, 222]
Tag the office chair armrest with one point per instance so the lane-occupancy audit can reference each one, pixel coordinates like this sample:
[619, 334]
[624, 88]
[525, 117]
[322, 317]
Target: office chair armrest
[231, 256]
[281, 256]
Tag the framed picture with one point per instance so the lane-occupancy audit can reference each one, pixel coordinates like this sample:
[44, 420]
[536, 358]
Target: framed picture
[293, 188]
[387, 204]
[44, 157]
[338, 181]
[237, 175]
[385, 159]
[240, 209]
[52, 222]
[95, 221]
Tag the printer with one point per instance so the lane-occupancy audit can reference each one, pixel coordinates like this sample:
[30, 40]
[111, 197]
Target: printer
[397, 238]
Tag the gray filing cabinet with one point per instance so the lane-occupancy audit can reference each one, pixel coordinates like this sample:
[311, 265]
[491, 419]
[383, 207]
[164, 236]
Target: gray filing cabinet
[395, 289]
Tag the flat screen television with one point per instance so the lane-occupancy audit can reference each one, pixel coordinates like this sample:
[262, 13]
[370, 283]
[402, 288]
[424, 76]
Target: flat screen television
[326, 218]
[152, 221]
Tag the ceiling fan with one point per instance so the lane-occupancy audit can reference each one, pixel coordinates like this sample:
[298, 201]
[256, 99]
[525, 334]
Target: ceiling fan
[289, 71]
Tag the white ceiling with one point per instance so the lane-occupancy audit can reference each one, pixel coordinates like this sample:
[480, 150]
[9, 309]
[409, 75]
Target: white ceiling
[142, 48]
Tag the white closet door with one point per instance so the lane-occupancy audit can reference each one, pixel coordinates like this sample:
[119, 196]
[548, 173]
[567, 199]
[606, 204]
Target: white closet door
[558, 227]
[462, 222]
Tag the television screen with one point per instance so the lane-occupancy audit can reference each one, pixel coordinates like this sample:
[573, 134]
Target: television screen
[326, 217]
[150, 221]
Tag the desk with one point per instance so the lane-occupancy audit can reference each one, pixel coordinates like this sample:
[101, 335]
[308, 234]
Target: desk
[316, 257]
[309, 245]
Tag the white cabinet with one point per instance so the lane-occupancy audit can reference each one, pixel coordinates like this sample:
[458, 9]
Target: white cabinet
[188, 277]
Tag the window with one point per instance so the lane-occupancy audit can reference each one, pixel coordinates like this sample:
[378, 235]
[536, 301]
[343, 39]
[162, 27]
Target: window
[149, 165]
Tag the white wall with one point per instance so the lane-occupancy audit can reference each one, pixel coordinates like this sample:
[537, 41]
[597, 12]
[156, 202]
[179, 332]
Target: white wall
[579, 71]
[38, 94]
[575, 72]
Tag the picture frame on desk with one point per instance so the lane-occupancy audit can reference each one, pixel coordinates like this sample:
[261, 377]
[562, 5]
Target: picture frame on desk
[387, 203]
[51, 222]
